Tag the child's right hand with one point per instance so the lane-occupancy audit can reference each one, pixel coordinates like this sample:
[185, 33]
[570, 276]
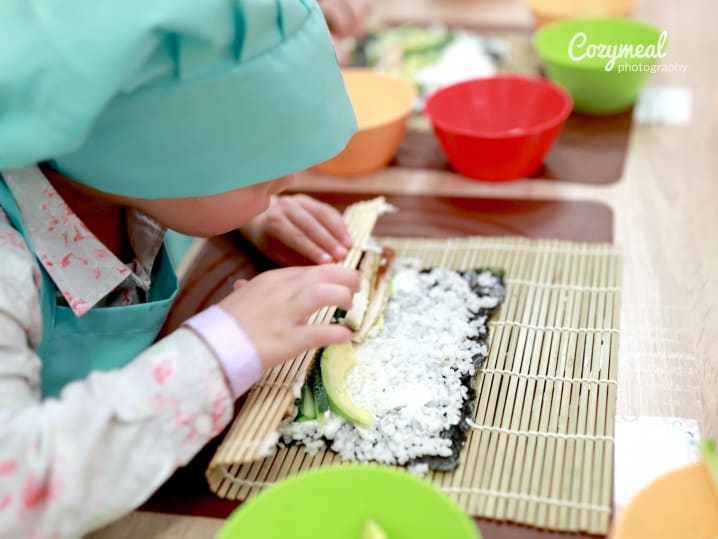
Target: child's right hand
[273, 309]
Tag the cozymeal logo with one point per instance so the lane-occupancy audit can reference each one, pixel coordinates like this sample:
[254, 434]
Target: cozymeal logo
[580, 48]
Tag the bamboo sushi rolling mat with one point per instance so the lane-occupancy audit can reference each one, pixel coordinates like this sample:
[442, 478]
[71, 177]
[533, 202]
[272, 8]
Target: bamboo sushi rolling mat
[541, 451]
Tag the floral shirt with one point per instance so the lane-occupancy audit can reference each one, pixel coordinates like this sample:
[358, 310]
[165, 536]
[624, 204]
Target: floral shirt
[74, 464]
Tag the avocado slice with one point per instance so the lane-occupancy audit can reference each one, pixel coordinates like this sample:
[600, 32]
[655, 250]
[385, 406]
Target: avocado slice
[335, 363]
[372, 530]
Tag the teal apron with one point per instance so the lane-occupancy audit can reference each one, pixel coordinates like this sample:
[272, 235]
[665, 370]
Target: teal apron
[105, 338]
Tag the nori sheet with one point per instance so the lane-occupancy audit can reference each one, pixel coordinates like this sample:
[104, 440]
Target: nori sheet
[456, 433]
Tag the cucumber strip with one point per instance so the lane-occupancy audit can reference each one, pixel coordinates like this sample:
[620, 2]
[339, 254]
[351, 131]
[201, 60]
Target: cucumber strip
[321, 400]
[432, 45]
[307, 407]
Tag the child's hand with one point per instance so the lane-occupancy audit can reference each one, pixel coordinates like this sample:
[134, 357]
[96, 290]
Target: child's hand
[297, 230]
[273, 309]
[346, 17]
[343, 55]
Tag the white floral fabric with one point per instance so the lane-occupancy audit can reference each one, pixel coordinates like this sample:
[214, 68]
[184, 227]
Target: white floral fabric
[76, 463]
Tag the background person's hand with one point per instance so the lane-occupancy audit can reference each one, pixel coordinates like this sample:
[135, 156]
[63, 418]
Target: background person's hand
[346, 17]
[273, 309]
[299, 230]
[342, 51]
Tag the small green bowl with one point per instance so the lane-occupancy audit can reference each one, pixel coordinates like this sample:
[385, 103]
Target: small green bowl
[337, 501]
[574, 57]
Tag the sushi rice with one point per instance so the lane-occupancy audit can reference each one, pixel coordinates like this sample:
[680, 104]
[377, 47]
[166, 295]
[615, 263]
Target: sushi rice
[412, 373]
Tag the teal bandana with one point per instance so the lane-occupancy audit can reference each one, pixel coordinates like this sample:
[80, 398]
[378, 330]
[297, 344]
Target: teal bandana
[171, 98]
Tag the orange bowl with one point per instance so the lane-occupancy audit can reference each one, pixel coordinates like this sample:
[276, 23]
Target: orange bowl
[547, 11]
[382, 105]
[680, 503]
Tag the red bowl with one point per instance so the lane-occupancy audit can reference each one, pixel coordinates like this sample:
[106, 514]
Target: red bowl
[498, 128]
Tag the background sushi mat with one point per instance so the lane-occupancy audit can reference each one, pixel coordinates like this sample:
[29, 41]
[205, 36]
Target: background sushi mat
[222, 260]
[590, 149]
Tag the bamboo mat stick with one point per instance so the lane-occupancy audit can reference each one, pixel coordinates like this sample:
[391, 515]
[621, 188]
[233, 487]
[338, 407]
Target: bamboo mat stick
[591, 488]
[610, 369]
[532, 474]
[276, 474]
[528, 410]
[564, 446]
[577, 409]
[597, 494]
[224, 485]
[235, 489]
[253, 473]
[268, 400]
[581, 401]
[579, 404]
[525, 445]
[466, 478]
[507, 399]
[527, 482]
[297, 464]
[474, 459]
[545, 456]
[592, 461]
[502, 470]
[539, 463]
[272, 407]
[570, 398]
[329, 459]
[500, 418]
[602, 481]
[498, 359]
[262, 473]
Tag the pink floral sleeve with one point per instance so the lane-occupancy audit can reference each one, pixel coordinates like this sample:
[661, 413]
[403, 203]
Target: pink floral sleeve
[74, 464]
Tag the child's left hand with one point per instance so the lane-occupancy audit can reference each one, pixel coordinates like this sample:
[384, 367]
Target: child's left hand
[299, 230]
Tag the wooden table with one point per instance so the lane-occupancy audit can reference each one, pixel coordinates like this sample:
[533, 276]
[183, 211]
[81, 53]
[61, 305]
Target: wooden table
[666, 218]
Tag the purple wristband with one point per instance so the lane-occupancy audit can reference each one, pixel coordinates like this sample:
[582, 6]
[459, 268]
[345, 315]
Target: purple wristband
[235, 352]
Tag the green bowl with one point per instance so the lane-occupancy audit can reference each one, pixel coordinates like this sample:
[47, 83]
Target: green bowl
[337, 501]
[576, 55]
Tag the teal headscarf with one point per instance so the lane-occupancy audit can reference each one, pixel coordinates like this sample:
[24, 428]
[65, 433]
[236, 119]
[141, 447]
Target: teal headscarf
[169, 98]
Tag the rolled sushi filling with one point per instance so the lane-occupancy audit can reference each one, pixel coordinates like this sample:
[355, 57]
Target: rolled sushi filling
[414, 372]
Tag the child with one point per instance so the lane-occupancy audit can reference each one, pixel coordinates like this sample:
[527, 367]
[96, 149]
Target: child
[168, 114]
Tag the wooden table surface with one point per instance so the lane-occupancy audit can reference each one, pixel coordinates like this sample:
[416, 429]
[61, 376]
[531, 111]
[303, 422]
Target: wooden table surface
[666, 218]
